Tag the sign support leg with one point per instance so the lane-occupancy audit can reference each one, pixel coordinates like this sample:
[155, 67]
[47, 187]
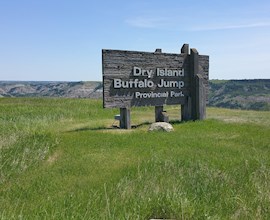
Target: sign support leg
[125, 118]
[158, 113]
[186, 110]
[200, 98]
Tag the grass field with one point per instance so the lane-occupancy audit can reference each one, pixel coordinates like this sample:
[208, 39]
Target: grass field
[61, 159]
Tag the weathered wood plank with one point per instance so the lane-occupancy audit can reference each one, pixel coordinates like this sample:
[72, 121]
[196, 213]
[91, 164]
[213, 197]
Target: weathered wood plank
[119, 64]
[119, 78]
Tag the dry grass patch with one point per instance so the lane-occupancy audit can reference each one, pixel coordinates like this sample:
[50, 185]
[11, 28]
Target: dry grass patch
[53, 158]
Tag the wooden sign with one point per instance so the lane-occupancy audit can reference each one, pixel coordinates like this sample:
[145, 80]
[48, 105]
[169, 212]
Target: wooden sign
[132, 78]
[139, 78]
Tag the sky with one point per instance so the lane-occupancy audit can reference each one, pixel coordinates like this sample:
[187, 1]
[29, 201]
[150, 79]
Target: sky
[62, 40]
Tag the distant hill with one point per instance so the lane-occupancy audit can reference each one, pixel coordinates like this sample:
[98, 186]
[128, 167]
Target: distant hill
[51, 89]
[239, 94]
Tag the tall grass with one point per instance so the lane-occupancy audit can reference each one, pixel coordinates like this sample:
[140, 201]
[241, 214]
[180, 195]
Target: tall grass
[70, 164]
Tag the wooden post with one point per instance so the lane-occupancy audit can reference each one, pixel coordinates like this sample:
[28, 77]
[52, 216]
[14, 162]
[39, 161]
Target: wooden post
[184, 49]
[200, 98]
[194, 70]
[158, 113]
[125, 118]
[185, 108]
[158, 109]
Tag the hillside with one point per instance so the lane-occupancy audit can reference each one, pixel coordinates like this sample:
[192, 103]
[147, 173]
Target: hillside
[240, 94]
[237, 94]
[51, 89]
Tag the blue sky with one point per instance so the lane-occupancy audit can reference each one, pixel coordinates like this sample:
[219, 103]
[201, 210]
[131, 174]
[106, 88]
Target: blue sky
[62, 39]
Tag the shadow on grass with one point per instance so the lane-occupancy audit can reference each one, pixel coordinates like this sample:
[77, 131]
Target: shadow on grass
[92, 129]
[176, 122]
[115, 127]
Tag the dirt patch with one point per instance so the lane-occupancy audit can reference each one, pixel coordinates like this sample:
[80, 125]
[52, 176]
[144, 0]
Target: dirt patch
[53, 158]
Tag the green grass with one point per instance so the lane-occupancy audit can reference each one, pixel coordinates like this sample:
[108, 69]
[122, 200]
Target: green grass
[61, 159]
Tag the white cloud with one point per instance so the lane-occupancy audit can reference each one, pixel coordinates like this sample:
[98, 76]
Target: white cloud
[230, 26]
[174, 23]
[148, 22]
